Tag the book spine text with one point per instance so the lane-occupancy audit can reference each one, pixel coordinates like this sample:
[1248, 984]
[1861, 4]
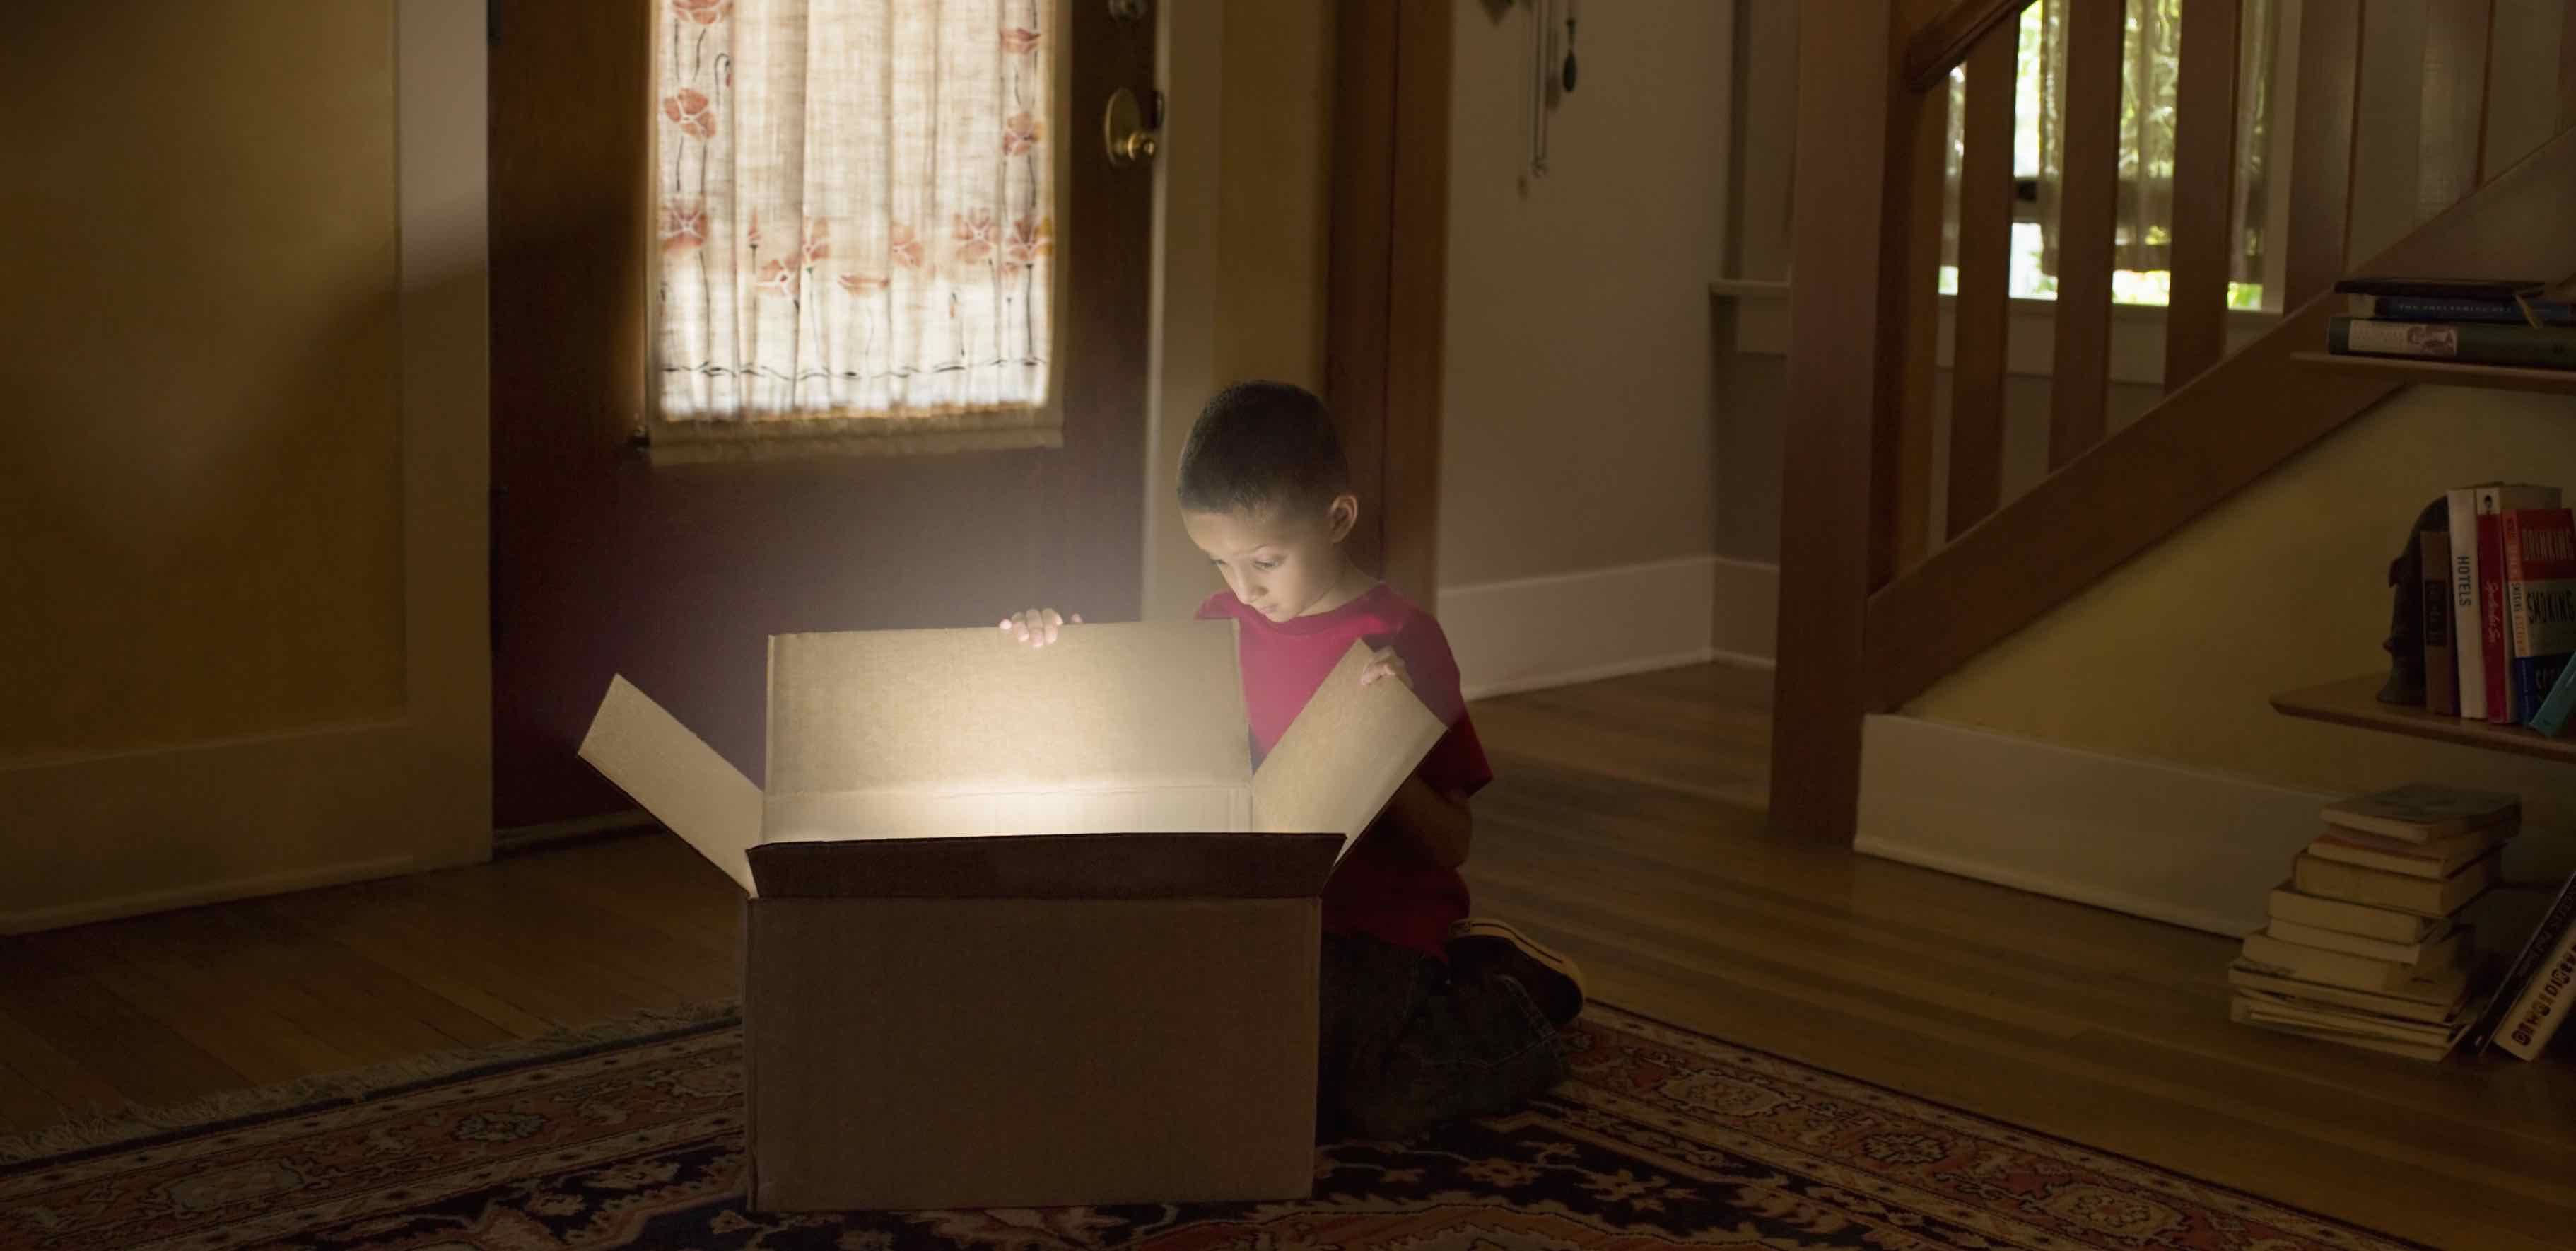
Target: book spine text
[2472, 675]
[2542, 1008]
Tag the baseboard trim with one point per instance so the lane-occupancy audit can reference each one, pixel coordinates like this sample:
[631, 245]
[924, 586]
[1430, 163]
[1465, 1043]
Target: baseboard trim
[1744, 611]
[33, 920]
[141, 903]
[2055, 886]
[1526, 634]
[2172, 844]
[518, 838]
[1594, 673]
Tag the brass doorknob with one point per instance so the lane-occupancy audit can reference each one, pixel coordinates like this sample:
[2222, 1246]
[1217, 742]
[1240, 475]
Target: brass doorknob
[1123, 130]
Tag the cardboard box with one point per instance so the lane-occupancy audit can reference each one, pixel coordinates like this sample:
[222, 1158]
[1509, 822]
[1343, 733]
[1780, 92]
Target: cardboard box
[1024, 928]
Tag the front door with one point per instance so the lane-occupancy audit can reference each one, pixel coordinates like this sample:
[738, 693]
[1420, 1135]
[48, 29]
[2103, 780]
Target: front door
[675, 576]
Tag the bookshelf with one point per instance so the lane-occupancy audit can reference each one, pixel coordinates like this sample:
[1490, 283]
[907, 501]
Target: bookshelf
[2355, 702]
[2444, 374]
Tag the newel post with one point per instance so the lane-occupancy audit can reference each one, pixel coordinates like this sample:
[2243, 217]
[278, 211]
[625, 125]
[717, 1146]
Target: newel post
[1854, 320]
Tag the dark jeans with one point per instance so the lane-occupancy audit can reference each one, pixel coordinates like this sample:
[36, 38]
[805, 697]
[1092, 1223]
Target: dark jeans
[1406, 1047]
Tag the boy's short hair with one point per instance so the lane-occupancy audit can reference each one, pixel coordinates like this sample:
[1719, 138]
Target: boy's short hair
[1262, 443]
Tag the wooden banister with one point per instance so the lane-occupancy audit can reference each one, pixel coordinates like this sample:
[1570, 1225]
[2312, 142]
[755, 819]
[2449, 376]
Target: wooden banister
[2202, 444]
[1867, 620]
[1945, 39]
[1900, 490]
[2205, 163]
[1981, 318]
[2080, 387]
[2321, 144]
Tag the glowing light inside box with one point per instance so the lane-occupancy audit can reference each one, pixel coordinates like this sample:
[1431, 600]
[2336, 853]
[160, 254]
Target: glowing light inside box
[967, 814]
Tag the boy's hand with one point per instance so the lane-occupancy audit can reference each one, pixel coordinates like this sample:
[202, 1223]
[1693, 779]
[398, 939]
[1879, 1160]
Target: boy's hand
[1038, 626]
[1382, 666]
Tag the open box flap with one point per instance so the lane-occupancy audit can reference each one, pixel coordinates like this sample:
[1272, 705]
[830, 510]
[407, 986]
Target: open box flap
[676, 777]
[1053, 866]
[1135, 707]
[1344, 756]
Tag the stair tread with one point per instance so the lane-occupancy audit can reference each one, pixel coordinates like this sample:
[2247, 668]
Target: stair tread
[2355, 702]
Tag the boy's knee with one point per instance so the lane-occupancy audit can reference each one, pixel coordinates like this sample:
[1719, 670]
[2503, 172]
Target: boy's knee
[1385, 1111]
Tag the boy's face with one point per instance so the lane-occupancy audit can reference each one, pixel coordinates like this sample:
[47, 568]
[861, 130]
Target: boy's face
[1280, 561]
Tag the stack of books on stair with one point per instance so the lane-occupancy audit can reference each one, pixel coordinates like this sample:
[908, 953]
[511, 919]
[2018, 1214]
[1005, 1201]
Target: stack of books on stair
[2462, 321]
[2365, 945]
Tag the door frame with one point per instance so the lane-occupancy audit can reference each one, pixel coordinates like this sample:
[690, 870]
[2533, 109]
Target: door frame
[1387, 275]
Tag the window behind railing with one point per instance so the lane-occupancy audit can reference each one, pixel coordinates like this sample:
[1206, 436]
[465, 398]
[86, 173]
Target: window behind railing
[2151, 48]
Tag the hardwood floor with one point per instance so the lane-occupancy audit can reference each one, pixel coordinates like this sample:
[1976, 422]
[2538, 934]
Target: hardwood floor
[1626, 827]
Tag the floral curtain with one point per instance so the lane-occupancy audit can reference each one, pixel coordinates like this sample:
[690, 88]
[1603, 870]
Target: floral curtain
[856, 202]
[2152, 49]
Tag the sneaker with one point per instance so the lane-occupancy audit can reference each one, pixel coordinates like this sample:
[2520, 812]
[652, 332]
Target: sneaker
[1553, 982]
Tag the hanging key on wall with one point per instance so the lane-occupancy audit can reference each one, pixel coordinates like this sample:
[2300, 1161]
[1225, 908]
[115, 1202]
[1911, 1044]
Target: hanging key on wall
[1552, 70]
[1568, 78]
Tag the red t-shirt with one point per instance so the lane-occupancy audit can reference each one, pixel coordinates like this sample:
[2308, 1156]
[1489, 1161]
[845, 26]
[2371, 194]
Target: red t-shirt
[1384, 887]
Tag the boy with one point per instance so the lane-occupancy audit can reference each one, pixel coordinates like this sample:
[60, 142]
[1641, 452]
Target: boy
[1427, 1014]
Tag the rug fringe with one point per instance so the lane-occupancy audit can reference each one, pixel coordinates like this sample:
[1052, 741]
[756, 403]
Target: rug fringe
[105, 1127]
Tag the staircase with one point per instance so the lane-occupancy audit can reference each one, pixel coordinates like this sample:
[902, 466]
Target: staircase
[1874, 607]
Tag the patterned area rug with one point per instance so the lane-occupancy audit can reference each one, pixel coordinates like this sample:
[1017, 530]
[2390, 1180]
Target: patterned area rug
[1662, 1138]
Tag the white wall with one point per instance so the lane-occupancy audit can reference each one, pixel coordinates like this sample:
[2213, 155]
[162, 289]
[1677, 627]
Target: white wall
[1579, 431]
[1577, 380]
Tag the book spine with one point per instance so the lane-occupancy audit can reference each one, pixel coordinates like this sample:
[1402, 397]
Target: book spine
[2550, 720]
[2542, 1007]
[2335, 968]
[2431, 843]
[2426, 897]
[2434, 308]
[2441, 669]
[2468, 882]
[2549, 347]
[2547, 604]
[2542, 940]
[2433, 954]
[2310, 1016]
[2496, 658]
[2331, 848]
[2464, 342]
[2538, 677]
[2249, 975]
[2440, 289]
[2517, 586]
[2471, 677]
